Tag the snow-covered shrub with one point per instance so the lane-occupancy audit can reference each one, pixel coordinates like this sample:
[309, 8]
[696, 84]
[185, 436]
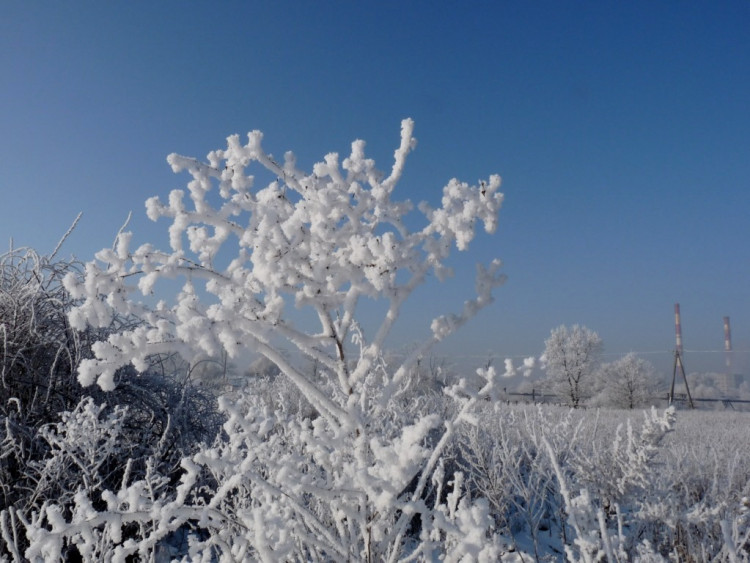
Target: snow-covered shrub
[38, 349]
[597, 521]
[698, 503]
[623, 458]
[161, 418]
[69, 518]
[349, 477]
[554, 476]
[505, 467]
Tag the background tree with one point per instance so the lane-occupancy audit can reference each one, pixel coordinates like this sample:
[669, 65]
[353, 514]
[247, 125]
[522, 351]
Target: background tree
[627, 383]
[570, 360]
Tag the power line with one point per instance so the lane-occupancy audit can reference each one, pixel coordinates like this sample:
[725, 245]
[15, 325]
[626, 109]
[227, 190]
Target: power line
[493, 355]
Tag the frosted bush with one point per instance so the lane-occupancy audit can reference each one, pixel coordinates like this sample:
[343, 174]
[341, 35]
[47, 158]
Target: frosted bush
[346, 477]
[503, 466]
[54, 438]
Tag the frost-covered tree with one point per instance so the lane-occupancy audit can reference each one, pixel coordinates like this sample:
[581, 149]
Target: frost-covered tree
[627, 383]
[348, 482]
[570, 360]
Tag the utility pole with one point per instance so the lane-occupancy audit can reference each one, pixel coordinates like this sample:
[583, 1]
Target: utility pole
[678, 358]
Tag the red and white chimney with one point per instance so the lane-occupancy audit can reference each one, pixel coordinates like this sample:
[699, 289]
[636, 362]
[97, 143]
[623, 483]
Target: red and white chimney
[728, 344]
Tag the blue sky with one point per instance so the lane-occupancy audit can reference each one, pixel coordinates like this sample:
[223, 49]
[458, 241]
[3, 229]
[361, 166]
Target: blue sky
[621, 130]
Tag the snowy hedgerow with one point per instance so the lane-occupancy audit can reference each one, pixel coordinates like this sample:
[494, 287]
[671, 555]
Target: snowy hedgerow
[161, 418]
[346, 478]
[39, 352]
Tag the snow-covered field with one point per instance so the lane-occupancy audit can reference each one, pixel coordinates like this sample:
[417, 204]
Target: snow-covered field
[690, 501]
[537, 483]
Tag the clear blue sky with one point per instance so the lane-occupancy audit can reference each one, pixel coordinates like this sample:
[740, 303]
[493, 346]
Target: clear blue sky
[621, 130]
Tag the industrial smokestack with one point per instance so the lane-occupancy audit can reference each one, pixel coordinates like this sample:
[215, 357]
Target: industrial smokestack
[728, 344]
[677, 327]
[727, 335]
